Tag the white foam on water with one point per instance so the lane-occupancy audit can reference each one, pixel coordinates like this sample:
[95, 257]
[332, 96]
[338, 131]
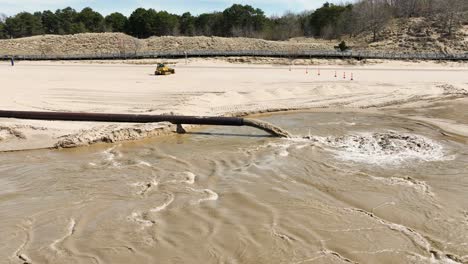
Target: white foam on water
[277, 189]
[110, 155]
[340, 123]
[164, 205]
[383, 148]
[419, 186]
[145, 186]
[281, 149]
[189, 178]
[437, 257]
[302, 146]
[144, 163]
[138, 218]
[142, 217]
[70, 231]
[434, 259]
[210, 195]
[283, 153]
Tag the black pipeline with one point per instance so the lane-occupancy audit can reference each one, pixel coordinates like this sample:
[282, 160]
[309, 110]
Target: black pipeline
[131, 118]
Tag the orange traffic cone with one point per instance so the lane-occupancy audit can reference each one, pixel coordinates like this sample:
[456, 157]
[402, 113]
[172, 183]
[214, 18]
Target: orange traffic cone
[344, 75]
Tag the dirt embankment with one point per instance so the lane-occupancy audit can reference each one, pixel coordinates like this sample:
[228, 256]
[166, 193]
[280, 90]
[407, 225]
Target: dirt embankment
[92, 43]
[414, 35]
[419, 35]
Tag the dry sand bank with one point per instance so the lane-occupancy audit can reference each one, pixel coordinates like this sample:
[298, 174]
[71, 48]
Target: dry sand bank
[209, 87]
[414, 35]
[91, 43]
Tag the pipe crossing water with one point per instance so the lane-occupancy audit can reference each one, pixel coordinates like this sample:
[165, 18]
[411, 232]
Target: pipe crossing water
[132, 118]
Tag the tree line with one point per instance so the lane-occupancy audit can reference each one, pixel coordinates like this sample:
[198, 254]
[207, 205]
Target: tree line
[329, 21]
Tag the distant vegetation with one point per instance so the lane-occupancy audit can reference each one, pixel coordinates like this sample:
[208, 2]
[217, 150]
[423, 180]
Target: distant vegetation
[329, 22]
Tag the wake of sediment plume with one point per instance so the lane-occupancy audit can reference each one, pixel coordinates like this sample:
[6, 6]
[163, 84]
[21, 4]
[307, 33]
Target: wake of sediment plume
[382, 148]
[267, 127]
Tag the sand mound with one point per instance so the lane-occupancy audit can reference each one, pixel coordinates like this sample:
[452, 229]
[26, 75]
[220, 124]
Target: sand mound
[112, 134]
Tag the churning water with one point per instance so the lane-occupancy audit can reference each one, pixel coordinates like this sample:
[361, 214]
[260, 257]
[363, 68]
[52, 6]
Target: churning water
[348, 187]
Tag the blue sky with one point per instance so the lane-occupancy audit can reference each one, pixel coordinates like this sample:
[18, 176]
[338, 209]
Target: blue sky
[271, 7]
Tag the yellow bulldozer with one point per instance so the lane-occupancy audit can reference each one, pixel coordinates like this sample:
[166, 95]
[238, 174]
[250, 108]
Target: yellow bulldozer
[162, 69]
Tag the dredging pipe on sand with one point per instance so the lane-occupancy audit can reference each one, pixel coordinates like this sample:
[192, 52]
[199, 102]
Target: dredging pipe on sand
[132, 118]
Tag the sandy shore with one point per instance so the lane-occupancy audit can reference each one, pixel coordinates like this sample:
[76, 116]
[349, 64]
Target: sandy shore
[211, 87]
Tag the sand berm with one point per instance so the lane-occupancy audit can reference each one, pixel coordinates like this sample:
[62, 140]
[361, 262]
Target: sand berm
[397, 38]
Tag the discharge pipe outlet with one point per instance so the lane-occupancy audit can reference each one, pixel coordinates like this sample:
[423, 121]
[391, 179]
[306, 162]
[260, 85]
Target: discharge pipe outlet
[131, 118]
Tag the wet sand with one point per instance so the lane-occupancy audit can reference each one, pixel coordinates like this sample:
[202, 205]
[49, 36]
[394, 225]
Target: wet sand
[205, 88]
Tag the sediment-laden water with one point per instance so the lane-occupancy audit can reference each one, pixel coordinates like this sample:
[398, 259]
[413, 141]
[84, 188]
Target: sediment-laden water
[349, 187]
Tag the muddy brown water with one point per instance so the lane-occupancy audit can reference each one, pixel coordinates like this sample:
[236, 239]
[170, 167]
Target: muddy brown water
[363, 188]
